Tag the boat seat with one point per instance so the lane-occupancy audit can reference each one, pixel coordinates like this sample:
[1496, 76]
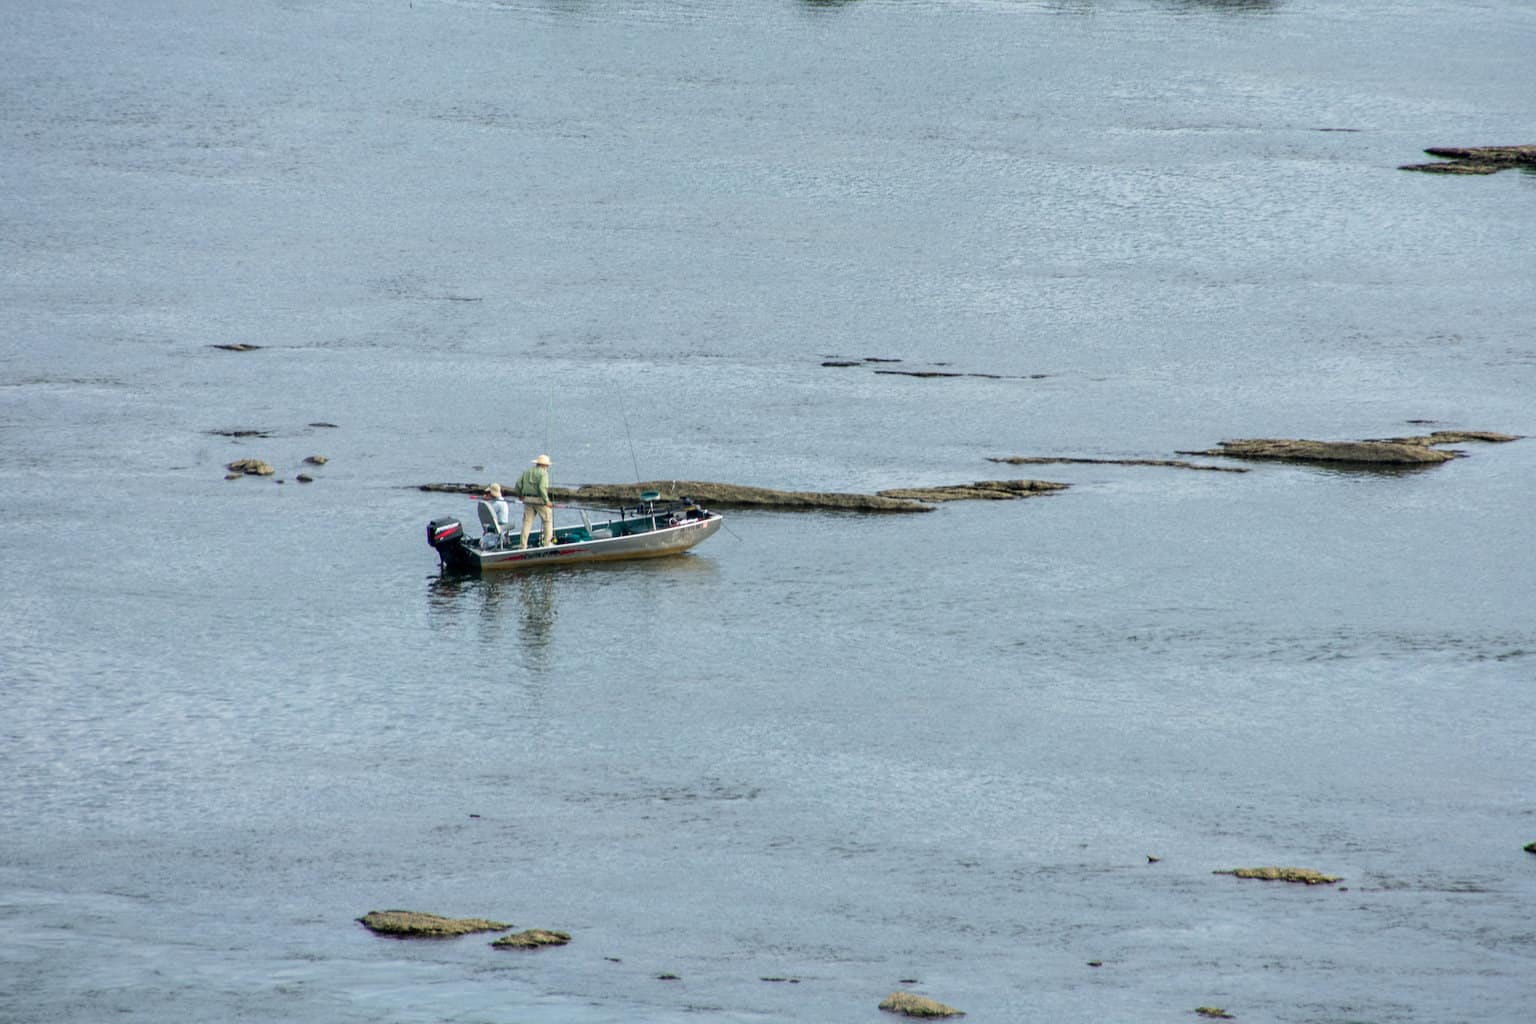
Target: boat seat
[495, 531]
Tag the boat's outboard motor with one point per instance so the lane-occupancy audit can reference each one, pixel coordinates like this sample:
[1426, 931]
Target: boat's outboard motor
[442, 532]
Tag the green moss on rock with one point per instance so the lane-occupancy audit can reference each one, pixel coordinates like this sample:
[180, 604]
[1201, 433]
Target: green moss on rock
[411, 924]
[1304, 876]
[913, 1005]
[533, 938]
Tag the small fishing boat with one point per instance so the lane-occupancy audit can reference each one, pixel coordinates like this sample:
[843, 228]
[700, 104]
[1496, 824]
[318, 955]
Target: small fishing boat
[650, 529]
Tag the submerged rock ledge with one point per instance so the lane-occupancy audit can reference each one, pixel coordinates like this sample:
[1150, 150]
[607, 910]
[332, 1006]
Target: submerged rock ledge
[1043, 460]
[1476, 159]
[412, 924]
[1392, 451]
[533, 938]
[1303, 876]
[911, 1005]
[737, 496]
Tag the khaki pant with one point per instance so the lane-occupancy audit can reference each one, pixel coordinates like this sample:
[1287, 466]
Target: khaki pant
[544, 512]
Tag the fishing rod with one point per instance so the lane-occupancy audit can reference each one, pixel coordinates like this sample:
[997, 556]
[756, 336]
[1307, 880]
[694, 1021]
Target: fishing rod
[627, 437]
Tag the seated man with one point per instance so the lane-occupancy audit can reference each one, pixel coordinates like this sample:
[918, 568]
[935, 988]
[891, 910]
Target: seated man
[495, 517]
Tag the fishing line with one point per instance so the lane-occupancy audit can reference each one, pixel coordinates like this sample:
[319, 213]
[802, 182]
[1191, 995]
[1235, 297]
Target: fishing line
[631, 440]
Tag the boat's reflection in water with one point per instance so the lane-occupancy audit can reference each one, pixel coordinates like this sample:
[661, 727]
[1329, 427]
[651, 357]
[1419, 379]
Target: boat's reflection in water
[530, 597]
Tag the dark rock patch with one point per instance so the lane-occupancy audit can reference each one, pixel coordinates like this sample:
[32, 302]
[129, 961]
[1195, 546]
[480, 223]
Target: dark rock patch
[1530, 847]
[1302, 876]
[911, 1005]
[840, 362]
[1215, 1012]
[316, 460]
[411, 924]
[1418, 450]
[1476, 159]
[241, 433]
[955, 373]
[304, 478]
[330, 426]
[718, 495]
[533, 938]
[982, 490]
[239, 346]
[1381, 453]
[735, 496]
[1453, 437]
[1042, 460]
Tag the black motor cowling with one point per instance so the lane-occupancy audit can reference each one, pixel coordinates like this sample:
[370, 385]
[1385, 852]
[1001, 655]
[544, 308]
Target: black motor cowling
[442, 532]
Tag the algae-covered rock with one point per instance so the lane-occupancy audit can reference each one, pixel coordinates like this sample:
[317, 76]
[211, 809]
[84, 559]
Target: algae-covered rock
[712, 495]
[721, 495]
[411, 924]
[250, 467]
[1454, 437]
[316, 460]
[1215, 1012]
[917, 1006]
[983, 490]
[1042, 460]
[1530, 847]
[1476, 159]
[1305, 876]
[1384, 453]
[533, 938]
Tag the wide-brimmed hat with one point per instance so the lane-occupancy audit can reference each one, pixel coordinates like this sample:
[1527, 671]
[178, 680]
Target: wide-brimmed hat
[493, 491]
[542, 460]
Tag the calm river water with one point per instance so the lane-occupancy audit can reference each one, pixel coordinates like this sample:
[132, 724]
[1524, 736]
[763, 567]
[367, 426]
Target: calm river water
[929, 752]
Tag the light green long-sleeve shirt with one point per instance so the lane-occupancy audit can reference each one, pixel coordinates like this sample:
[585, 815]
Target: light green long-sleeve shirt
[533, 486]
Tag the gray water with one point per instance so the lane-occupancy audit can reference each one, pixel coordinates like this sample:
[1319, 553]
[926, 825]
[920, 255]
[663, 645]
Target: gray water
[928, 752]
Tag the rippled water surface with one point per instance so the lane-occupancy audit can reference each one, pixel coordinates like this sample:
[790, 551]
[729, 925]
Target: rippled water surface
[855, 754]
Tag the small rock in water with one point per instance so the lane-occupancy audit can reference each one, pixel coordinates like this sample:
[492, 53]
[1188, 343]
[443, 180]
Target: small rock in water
[1476, 159]
[1305, 876]
[1213, 1011]
[239, 346]
[669, 977]
[1530, 847]
[411, 924]
[1152, 860]
[250, 467]
[533, 938]
[322, 423]
[316, 460]
[917, 1006]
[304, 478]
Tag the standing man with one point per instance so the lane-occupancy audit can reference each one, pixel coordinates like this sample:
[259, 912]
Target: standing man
[533, 489]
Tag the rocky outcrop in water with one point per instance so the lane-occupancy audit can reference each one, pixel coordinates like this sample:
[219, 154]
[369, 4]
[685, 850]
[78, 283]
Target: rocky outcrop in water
[1302, 876]
[533, 938]
[250, 467]
[1043, 460]
[718, 495]
[1530, 847]
[981, 490]
[917, 1006]
[239, 346]
[1382, 453]
[411, 924]
[1476, 159]
[1214, 1012]
[1418, 450]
